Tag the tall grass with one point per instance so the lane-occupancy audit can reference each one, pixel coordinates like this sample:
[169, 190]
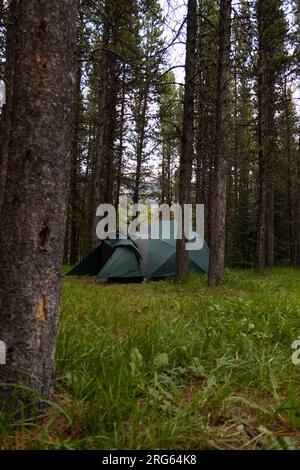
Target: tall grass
[173, 365]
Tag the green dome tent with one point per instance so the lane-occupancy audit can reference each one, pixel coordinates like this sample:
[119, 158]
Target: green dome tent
[139, 259]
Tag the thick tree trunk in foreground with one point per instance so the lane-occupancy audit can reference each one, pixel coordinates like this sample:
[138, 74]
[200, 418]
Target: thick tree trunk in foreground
[218, 202]
[186, 159]
[32, 222]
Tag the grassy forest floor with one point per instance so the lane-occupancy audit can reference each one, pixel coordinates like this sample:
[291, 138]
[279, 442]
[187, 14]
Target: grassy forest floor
[173, 365]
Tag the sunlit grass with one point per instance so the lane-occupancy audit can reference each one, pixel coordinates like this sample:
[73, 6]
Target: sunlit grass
[173, 365]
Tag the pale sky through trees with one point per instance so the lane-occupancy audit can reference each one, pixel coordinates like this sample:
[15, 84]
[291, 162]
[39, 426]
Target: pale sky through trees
[174, 12]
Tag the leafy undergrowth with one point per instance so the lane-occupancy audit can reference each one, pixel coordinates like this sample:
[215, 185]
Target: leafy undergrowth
[171, 365]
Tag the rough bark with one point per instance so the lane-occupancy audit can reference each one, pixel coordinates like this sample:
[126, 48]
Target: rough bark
[33, 214]
[121, 142]
[163, 176]
[261, 227]
[270, 223]
[200, 167]
[141, 132]
[169, 195]
[266, 78]
[166, 176]
[186, 157]
[75, 173]
[289, 180]
[104, 165]
[218, 205]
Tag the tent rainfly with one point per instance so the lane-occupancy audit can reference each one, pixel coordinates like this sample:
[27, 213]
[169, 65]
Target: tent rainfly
[139, 259]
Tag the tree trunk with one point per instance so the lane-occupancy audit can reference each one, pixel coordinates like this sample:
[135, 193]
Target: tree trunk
[32, 221]
[218, 206]
[163, 176]
[289, 186]
[103, 172]
[266, 16]
[141, 131]
[121, 142]
[262, 206]
[270, 223]
[75, 173]
[186, 158]
[169, 195]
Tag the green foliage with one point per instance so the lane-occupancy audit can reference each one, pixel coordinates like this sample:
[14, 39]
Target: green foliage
[172, 365]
